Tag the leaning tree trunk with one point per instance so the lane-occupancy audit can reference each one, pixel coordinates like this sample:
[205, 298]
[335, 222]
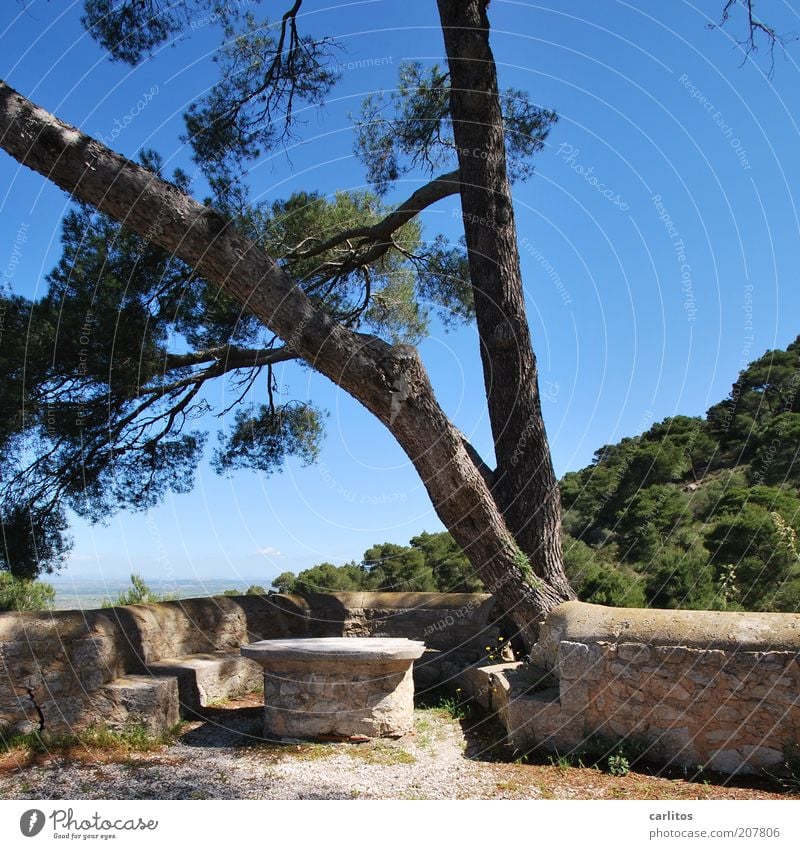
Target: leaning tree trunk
[363, 365]
[524, 485]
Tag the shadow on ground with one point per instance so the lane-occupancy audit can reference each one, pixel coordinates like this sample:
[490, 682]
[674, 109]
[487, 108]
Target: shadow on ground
[228, 727]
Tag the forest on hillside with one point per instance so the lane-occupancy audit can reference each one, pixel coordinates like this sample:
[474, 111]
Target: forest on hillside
[696, 512]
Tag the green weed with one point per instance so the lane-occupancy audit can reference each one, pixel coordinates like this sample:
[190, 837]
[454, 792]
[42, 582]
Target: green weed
[618, 765]
[134, 738]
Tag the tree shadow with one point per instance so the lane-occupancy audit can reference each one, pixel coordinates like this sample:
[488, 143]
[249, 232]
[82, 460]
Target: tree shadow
[484, 737]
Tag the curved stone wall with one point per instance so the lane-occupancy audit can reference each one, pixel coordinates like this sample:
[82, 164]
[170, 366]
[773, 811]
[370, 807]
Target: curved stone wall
[63, 670]
[692, 688]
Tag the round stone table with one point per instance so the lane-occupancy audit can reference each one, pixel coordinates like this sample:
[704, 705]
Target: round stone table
[337, 687]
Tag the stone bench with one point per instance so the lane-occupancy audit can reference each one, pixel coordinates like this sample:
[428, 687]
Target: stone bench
[207, 677]
[337, 687]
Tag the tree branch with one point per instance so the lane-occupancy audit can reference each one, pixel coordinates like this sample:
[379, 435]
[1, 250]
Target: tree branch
[755, 28]
[425, 196]
[231, 356]
[275, 69]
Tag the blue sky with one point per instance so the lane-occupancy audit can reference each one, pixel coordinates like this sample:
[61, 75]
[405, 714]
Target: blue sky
[659, 243]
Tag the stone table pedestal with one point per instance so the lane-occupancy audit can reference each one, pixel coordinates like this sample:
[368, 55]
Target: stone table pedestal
[337, 687]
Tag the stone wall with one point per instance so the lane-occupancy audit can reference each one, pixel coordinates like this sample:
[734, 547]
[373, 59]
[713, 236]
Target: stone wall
[61, 671]
[691, 688]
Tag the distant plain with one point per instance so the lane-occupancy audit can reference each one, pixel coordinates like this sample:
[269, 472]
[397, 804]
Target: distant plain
[90, 593]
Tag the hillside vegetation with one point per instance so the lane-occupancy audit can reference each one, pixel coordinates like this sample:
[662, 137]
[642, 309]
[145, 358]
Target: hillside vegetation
[697, 512]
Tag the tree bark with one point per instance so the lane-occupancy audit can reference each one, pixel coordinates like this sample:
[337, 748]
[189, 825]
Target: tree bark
[390, 381]
[525, 486]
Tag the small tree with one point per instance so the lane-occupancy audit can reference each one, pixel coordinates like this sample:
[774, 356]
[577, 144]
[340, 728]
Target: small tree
[138, 593]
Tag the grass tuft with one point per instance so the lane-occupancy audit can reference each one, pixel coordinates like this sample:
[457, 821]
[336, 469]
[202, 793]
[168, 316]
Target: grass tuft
[136, 737]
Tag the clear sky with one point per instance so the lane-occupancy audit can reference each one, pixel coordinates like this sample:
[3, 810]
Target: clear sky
[659, 243]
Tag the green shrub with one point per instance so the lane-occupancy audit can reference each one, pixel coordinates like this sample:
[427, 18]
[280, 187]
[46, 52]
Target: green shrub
[253, 589]
[25, 594]
[618, 765]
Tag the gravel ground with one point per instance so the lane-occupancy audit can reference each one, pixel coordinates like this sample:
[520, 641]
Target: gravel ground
[221, 757]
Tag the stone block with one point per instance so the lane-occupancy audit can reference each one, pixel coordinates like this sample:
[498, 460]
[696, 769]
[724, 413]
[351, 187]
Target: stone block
[634, 652]
[136, 699]
[574, 696]
[675, 654]
[538, 721]
[762, 757]
[729, 713]
[620, 671]
[17, 712]
[722, 735]
[677, 692]
[65, 714]
[727, 760]
[622, 725]
[573, 660]
[481, 682]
